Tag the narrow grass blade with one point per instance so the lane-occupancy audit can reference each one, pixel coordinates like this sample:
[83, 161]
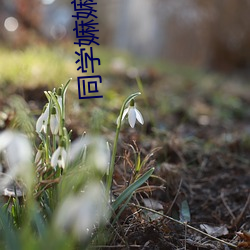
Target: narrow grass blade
[128, 191]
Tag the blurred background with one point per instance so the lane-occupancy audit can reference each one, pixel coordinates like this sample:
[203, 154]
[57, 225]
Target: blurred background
[212, 34]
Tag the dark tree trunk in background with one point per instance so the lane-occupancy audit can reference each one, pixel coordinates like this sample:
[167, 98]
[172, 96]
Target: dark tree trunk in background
[229, 35]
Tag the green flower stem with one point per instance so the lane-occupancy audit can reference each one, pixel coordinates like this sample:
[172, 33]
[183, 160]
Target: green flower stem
[54, 142]
[65, 87]
[47, 137]
[112, 164]
[66, 136]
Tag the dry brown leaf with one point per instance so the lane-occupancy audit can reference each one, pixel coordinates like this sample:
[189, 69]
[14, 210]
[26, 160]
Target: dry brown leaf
[245, 236]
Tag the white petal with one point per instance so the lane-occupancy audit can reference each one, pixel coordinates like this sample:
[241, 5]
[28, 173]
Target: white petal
[77, 148]
[64, 154]
[139, 116]
[125, 112]
[132, 117]
[61, 163]
[55, 156]
[38, 156]
[101, 155]
[59, 99]
[54, 124]
[18, 157]
[19, 151]
[44, 127]
[80, 214]
[66, 215]
[46, 113]
[63, 158]
[39, 123]
[117, 120]
[5, 139]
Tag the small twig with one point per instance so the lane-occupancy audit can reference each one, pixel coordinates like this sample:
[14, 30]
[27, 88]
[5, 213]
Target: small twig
[116, 246]
[57, 180]
[183, 224]
[185, 242]
[118, 235]
[227, 207]
[239, 217]
[48, 185]
[175, 198]
[149, 188]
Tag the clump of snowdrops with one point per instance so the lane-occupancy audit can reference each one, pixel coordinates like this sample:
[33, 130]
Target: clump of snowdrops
[61, 190]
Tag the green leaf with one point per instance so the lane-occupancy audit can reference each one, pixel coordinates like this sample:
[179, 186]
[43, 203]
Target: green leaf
[10, 236]
[138, 163]
[65, 87]
[39, 222]
[129, 190]
[122, 209]
[185, 212]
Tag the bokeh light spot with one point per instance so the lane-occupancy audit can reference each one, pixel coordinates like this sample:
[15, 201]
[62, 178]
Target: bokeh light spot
[11, 24]
[58, 31]
[47, 2]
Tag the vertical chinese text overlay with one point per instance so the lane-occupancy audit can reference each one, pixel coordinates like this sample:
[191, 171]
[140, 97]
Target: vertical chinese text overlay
[85, 28]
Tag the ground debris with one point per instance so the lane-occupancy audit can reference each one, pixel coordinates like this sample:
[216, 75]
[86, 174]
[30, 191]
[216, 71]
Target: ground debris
[245, 237]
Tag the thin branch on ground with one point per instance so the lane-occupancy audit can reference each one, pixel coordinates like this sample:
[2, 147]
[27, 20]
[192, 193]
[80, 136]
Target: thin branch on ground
[239, 217]
[174, 200]
[227, 207]
[184, 224]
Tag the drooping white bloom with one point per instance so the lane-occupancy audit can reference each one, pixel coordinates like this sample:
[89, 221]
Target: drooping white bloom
[54, 121]
[42, 122]
[79, 214]
[17, 152]
[133, 114]
[59, 157]
[98, 154]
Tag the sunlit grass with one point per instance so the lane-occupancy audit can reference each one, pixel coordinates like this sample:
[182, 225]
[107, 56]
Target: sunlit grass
[179, 85]
[35, 65]
[42, 64]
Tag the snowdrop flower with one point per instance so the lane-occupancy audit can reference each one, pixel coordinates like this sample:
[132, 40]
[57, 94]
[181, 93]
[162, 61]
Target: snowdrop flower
[54, 121]
[42, 122]
[79, 214]
[59, 157]
[17, 152]
[133, 114]
[98, 152]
